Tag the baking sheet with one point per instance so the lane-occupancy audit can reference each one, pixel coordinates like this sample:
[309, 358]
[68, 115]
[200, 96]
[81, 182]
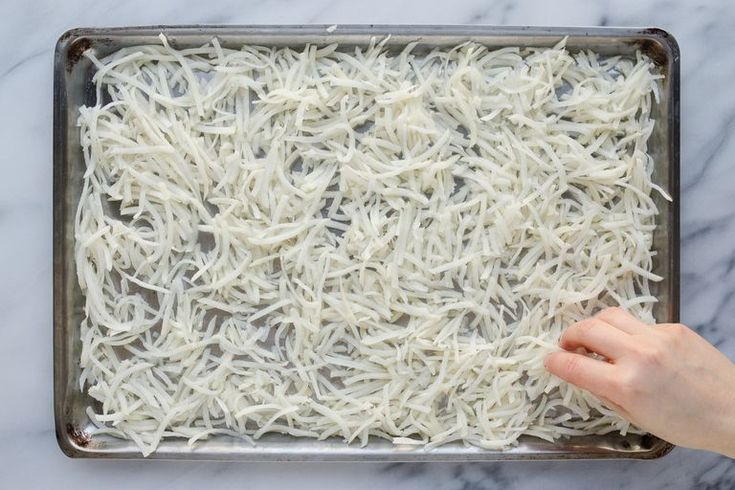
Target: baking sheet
[73, 88]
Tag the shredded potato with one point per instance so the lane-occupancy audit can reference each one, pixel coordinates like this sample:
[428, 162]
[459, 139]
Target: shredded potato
[357, 242]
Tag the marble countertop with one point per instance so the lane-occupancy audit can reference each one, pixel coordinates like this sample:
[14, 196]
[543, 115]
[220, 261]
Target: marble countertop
[29, 456]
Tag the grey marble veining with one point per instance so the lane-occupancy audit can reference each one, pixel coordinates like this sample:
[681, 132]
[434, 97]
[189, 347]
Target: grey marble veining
[29, 457]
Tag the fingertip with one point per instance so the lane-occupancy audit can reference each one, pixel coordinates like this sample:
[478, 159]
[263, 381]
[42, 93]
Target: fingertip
[546, 361]
[571, 336]
[591, 374]
[551, 361]
[595, 335]
[563, 337]
[567, 341]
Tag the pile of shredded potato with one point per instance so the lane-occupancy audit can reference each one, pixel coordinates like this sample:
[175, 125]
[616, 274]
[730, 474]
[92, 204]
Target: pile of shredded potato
[329, 242]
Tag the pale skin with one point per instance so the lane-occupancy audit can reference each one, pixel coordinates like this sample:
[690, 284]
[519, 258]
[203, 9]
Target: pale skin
[665, 378]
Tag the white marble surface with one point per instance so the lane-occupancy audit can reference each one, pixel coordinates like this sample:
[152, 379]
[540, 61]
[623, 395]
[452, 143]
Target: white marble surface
[29, 457]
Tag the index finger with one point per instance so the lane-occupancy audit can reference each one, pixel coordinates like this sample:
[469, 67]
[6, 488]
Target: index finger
[621, 319]
[587, 373]
[597, 336]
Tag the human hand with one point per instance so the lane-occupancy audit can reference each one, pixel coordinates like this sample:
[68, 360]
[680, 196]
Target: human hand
[665, 378]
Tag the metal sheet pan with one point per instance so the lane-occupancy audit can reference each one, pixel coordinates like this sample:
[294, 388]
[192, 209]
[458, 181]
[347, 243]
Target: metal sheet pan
[73, 88]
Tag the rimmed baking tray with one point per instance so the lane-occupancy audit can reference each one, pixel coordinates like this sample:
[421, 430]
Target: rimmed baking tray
[73, 88]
